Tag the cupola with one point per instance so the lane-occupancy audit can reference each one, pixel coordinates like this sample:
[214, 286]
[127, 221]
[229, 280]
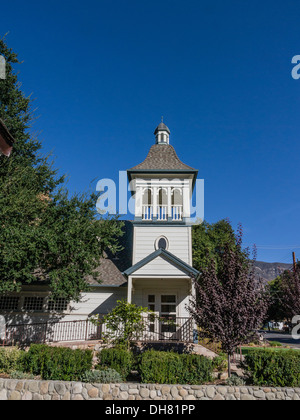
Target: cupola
[162, 133]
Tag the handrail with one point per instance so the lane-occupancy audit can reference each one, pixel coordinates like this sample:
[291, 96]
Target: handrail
[162, 212]
[162, 329]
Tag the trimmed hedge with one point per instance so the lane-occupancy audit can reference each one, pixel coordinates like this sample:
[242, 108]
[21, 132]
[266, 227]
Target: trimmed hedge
[273, 367]
[118, 359]
[57, 363]
[10, 359]
[173, 368]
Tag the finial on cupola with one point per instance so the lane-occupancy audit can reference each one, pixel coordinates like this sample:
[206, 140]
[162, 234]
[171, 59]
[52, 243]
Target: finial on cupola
[162, 133]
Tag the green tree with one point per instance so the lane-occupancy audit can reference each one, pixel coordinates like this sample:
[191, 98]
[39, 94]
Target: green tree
[46, 234]
[209, 242]
[284, 293]
[125, 323]
[276, 311]
[17, 113]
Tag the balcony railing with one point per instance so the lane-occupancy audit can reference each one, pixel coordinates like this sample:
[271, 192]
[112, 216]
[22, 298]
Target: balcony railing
[162, 212]
[147, 213]
[177, 212]
[155, 330]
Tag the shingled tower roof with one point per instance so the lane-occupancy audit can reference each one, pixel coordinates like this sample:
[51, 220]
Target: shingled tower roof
[162, 157]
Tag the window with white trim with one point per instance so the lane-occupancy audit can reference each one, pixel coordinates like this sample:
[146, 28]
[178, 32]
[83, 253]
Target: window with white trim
[33, 303]
[151, 307]
[168, 313]
[162, 243]
[58, 305]
[9, 303]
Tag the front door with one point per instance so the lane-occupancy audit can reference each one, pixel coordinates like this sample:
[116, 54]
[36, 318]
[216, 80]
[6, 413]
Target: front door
[162, 325]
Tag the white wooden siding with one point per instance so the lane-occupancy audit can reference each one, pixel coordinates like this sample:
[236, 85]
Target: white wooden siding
[100, 300]
[159, 267]
[178, 238]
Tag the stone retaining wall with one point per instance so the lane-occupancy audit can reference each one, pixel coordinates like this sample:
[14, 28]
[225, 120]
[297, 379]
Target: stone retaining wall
[13, 389]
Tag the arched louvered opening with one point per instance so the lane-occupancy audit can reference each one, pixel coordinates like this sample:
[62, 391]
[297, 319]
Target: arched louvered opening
[162, 208]
[177, 204]
[147, 204]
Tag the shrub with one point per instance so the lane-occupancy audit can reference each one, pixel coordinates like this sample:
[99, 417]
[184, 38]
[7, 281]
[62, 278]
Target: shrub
[124, 324]
[235, 380]
[274, 344]
[104, 376]
[10, 359]
[220, 363]
[117, 358]
[57, 363]
[17, 374]
[270, 367]
[173, 368]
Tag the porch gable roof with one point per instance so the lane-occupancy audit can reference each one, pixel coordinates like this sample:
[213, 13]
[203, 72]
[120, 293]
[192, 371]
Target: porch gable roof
[191, 271]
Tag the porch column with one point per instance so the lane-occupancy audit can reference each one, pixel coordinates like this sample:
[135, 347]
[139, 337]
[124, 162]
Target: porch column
[169, 203]
[186, 201]
[129, 290]
[139, 202]
[154, 201]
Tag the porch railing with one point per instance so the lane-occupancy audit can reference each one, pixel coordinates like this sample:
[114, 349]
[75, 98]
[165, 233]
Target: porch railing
[180, 330]
[215, 347]
[24, 334]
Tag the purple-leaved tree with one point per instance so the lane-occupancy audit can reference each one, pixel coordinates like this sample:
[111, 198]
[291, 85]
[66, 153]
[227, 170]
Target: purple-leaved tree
[230, 303]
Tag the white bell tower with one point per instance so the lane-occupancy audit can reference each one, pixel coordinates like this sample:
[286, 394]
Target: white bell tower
[163, 187]
[161, 273]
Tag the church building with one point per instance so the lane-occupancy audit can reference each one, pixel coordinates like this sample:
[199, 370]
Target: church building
[155, 268]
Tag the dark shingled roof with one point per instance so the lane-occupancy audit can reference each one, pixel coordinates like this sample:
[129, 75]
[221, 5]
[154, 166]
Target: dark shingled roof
[162, 127]
[112, 266]
[162, 157]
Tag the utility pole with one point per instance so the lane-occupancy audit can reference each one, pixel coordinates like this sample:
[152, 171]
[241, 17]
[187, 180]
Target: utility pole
[294, 261]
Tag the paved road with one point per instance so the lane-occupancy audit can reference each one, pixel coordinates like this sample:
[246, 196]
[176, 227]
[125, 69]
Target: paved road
[285, 339]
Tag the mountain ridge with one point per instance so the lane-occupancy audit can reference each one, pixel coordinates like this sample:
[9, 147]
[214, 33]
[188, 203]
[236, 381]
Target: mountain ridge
[269, 271]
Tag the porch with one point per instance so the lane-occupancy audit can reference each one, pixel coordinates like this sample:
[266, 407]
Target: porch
[156, 330]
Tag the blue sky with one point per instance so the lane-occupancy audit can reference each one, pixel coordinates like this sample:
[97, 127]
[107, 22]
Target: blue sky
[103, 73]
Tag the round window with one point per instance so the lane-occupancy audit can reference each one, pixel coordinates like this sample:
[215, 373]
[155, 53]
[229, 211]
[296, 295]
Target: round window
[161, 243]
